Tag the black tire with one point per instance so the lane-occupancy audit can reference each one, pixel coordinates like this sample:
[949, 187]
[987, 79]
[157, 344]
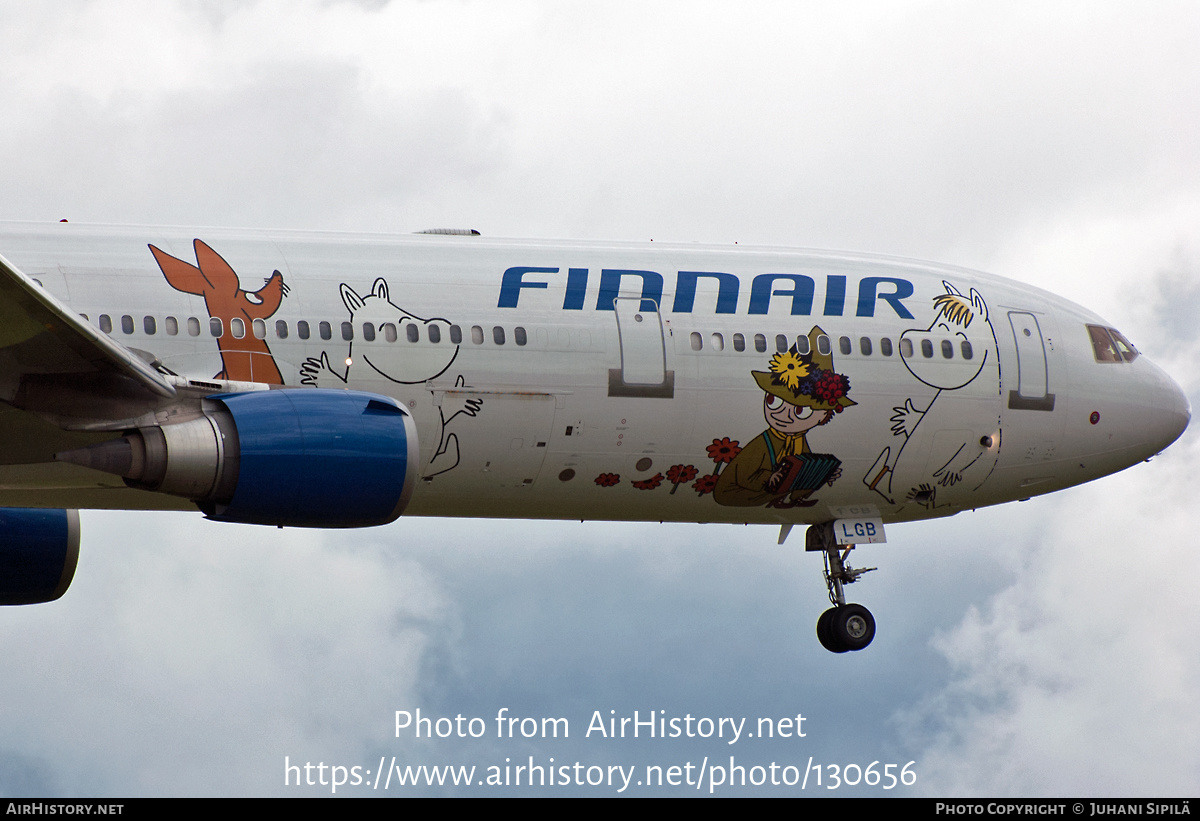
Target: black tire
[825, 632]
[852, 626]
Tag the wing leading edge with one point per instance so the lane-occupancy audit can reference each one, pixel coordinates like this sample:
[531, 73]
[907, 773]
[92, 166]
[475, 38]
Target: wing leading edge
[42, 340]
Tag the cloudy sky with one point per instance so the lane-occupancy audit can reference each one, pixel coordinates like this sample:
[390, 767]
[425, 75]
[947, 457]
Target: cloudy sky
[1040, 649]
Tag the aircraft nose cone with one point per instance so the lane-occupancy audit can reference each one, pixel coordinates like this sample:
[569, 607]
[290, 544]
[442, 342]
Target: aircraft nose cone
[1172, 411]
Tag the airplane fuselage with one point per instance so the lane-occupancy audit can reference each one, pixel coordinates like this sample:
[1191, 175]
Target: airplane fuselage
[624, 381]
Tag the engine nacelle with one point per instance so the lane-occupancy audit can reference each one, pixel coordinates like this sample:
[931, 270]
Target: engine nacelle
[301, 458]
[38, 553]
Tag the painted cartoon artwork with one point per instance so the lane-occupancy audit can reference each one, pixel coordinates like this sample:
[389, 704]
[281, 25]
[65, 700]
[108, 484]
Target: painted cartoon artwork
[244, 356]
[940, 449]
[412, 364]
[778, 468]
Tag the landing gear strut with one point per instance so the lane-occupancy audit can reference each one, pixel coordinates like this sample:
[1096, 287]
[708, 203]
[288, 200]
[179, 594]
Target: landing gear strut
[844, 626]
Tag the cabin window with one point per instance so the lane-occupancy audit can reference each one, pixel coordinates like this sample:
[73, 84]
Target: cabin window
[476, 335]
[281, 329]
[927, 348]
[845, 345]
[411, 333]
[302, 330]
[967, 352]
[864, 345]
[498, 335]
[193, 326]
[259, 329]
[389, 331]
[172, 326]
[718, 342]
[149, 325]
[947, 349]
[215, 327]
[739, 343]
[906, 347]
[697, 341]
[519, 335]
[127, 324]
[824, 346]
[347, 331]
[435, 334]
[781, 342]
[325, 330]
[106, 323]
[237, 327]
[368, 332]
[455, 335]
[760, 343]
[885, 346]
[802, 345]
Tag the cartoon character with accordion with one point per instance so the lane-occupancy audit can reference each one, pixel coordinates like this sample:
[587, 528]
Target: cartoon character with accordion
[778, 468]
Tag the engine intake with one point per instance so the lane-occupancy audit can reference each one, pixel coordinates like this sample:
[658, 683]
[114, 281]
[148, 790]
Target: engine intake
[301, 458]
[38, 553]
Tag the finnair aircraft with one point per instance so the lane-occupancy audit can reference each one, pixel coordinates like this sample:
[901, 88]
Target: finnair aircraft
[335, 380]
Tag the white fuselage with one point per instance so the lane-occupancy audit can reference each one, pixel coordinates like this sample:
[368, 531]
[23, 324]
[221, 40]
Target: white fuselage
[617, 381]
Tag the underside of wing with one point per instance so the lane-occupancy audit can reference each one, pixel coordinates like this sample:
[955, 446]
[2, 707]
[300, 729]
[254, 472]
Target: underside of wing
[63, 385]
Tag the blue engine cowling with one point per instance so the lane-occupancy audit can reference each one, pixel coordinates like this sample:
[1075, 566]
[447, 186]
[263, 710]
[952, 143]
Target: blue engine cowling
[38, 553]
[319, 458]
[294, 457]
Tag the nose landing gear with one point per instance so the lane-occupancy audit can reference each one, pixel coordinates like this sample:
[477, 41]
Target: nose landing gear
[842, 627]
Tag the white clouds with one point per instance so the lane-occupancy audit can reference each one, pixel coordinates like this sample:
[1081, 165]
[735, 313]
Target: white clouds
[1080, 678]
[191, 642]
[1053, 143]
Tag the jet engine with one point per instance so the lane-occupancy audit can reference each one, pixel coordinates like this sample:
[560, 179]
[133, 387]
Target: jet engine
[38, 553]
[301, 458]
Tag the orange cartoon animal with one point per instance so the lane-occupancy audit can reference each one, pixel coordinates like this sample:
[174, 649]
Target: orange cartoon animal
[244, 357]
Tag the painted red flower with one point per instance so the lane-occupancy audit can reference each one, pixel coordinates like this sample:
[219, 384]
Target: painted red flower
[678, 474]
[831, 387]
[705, 484]
[723, 450]
[649, 484]
[608, 479]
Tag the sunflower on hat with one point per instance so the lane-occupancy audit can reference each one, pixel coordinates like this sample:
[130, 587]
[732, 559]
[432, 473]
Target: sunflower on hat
[806, 379]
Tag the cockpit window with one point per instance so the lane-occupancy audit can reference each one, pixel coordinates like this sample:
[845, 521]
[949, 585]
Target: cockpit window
[1110, 346]
[1127, 351]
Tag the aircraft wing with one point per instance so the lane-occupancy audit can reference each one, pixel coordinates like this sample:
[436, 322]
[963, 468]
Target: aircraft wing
[41, 338]
[59, 377]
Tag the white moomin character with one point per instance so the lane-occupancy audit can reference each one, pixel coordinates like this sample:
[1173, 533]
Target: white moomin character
[435, 350]
[951, 438]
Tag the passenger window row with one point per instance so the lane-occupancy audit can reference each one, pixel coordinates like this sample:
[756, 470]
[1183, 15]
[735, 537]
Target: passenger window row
[866, 346]
[432, 332]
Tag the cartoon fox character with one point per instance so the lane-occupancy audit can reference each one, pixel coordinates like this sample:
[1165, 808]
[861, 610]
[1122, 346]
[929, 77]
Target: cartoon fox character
[247, 359]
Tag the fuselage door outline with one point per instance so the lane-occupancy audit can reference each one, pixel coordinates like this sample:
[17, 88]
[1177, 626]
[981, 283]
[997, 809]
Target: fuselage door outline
[643, 370]
[1033, 382]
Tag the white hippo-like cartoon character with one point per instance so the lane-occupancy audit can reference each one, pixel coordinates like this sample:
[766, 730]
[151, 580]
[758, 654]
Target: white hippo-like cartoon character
[396, 360]
[950, 437]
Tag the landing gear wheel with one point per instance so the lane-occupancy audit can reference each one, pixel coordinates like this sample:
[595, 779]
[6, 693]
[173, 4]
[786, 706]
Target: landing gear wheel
[844, 626]
[825, 632]
[852, 626]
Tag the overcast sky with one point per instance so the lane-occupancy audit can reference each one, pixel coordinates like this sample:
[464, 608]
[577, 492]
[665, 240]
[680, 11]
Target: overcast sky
[1042, 649]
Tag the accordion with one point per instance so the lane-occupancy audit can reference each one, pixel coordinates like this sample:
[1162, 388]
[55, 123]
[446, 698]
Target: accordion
[806, 471]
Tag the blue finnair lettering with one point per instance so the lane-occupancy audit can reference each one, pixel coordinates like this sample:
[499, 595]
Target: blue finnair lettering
[796, 290]
[868, 293]
[610, 288]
